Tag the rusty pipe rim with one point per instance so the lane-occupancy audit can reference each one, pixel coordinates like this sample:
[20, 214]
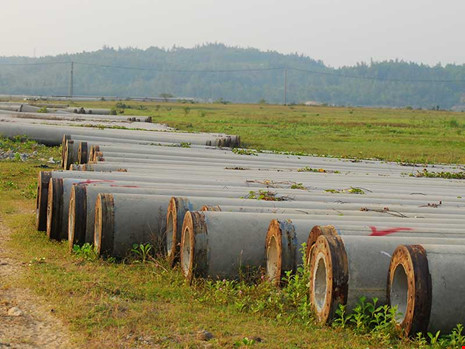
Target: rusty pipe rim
[216, 208]
[315, 233]
[171, 232]
[104, 224]
[68, 160]
[194, 246]
[409, 288]
[274, 252]
[77, 216]
[54, 208]
[187, 247]
[63, 148]
[42, 199]
[328, 277]
[71, 221]
[82, 153]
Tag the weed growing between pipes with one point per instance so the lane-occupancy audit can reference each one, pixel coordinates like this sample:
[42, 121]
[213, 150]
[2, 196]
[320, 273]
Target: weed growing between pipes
[241, 151]
[442, 174]
[379, 321]
[289, 303]
[265, 195]
[370, 318]
[455, 339]
[85, 252]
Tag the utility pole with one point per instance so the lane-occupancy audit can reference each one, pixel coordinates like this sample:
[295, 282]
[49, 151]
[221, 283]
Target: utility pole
[71, 80]
[285, 86]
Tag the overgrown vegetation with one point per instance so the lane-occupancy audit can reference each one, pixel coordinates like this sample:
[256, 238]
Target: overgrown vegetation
[318, 170]
[241, 151]
[351, 190]
[441, 174]
[266, 195]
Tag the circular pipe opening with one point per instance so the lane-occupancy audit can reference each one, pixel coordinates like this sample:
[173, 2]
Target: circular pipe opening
[320, 282]
[272, 260]
[399, 292]
[186, 252]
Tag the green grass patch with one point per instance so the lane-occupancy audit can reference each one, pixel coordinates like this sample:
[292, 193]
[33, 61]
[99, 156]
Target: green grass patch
[403, 135]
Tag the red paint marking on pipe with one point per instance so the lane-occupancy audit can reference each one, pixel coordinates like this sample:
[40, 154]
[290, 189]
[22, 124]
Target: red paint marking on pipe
[124, 186]
[375, 232]
[91, 181]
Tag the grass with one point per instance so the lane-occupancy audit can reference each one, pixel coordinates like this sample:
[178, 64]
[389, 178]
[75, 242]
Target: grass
[410, 136]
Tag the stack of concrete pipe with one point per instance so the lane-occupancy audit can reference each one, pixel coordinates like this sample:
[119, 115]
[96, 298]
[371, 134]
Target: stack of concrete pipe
[220, 214]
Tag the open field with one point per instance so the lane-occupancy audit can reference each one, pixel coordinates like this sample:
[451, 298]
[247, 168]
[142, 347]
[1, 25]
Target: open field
[421, 136]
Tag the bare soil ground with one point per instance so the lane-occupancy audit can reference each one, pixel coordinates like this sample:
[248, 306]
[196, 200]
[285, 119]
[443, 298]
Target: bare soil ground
[25, 320]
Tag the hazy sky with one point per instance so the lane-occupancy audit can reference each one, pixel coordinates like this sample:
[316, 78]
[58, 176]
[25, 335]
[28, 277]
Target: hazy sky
[339, 32]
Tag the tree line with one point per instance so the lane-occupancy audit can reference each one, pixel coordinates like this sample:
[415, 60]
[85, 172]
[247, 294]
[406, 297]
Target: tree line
[215, 72]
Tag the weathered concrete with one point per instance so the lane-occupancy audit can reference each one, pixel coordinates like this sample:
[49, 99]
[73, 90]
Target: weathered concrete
[122, 220]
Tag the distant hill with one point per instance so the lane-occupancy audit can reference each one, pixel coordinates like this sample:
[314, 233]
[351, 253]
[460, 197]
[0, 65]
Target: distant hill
[217, 72]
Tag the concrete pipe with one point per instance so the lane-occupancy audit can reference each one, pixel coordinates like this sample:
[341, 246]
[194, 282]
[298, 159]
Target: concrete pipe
[284, 240]
[426, 284]
[64, 140]
[215, 244]
[55, 209]
[83, 197]
[281, 176]
[125, 142]
[14, 107]
[222, 244]
[180, 205]
[199, 185]
[83, 153]
[205, 183]
[26, 108]
[339, 273]
[77, 110]
[52, 135]
[300, 206]
[299, 161]
[70, 154]
[122, 220]
[383, 229]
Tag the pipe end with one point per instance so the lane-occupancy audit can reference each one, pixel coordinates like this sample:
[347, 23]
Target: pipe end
[329, 276]
[104, 224]
[409, 288]
[315, 233]
[41, 200]
[273, 246]
[77, 216]
[83, 156]
[55, 209]
[194, 246]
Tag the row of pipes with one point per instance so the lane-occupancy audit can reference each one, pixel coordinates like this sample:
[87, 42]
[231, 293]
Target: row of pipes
[369, 229]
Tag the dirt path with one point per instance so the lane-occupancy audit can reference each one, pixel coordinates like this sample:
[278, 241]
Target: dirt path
[25, 322]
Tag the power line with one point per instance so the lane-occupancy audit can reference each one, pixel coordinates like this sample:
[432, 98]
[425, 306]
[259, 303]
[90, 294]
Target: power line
[316, 72]
[37, 63]
[181, 70]
[372, 77]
